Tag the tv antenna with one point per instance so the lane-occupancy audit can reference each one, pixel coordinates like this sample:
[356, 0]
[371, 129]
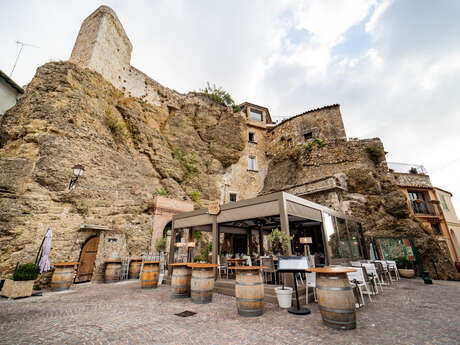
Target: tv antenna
[22, 44]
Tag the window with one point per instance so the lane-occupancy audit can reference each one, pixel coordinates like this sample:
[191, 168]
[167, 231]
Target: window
[232, 197]
[308, 136]
[444, 203]
[252, 137]
[255, 114]
[252, 163]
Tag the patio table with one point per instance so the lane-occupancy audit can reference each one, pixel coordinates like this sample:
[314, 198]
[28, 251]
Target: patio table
[249, 290]
[150, 274]
[335, 297]
[237, 261]
[202, 282]
[112, 271]
[181, 279]
[63, 275]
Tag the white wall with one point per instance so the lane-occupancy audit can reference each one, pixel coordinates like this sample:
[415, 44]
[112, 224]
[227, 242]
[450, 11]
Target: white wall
[8, 96]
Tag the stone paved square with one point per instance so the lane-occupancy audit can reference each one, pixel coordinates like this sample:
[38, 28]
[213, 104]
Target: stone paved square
[409, 312]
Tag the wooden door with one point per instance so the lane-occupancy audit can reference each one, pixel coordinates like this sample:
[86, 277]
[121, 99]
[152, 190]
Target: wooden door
[87, 259]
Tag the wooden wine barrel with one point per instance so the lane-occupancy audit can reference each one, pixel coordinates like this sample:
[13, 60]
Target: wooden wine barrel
[150, 274]
[249, 291]
[335, 298]
[181, 280]
[202, 283]
[63, 274]
[134, 268]
[112, 271]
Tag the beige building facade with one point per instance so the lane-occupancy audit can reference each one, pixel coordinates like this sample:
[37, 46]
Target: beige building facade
[424, 203]
[451, 218]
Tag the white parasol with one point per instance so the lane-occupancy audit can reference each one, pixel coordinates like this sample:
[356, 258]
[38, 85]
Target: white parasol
[46, 247]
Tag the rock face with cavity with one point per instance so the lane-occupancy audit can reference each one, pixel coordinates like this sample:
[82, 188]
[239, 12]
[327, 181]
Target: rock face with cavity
[131, 150]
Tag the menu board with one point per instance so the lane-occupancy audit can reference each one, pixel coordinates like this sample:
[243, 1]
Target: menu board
[293, 263]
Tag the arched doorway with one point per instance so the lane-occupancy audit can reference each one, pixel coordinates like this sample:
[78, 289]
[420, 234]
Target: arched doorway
[87, 259]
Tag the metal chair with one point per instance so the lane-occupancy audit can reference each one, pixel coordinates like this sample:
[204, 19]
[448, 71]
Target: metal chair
[222, 265]
[268, 262]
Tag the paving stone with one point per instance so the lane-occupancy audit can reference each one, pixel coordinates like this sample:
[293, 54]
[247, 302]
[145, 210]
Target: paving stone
[409, 312]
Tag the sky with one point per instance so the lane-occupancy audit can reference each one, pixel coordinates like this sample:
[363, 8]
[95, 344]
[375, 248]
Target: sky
[393, 66]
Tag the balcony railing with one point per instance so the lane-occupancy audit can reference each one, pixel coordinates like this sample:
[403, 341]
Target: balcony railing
[425, 207]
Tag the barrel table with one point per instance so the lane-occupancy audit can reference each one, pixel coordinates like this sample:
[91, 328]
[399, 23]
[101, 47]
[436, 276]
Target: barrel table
[112, 271]
[202, 283]
[63, 274]
[249, 290]
[335, 297]
[150, 274]
[134, 268]
[181, 279]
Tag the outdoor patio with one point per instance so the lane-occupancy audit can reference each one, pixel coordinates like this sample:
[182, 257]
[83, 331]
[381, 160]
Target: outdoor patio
[409, 312]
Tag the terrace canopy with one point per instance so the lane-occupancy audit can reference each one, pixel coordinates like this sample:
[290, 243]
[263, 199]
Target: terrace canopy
[340, 236]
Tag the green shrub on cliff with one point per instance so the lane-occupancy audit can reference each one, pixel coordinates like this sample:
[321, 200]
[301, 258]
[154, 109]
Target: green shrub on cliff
[219, 95]
[187, 161]
[116, 125]
[376, 154]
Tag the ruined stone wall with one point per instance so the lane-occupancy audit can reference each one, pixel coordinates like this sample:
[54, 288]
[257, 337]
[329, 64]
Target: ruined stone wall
[413, 180]
[324, 123]
[299, 164]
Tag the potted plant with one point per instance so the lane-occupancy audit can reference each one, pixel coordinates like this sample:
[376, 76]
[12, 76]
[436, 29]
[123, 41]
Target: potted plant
[22, 281]
[160, 244]
[405, 267]
[198, 258]
[279, 242]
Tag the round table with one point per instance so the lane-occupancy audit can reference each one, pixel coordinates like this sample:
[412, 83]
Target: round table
[150, 274]
[134, 268]
[181, 279]
[202, 282]
[335, 297]
[112, 271]
[237, 261]
[63, 275]
[249, 290]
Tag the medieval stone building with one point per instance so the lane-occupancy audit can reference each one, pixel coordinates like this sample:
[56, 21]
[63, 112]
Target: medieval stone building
[150, 152]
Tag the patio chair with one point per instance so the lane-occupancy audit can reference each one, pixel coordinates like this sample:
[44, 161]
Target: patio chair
[248, 260]
[369, 281]
[393, 268]
[381, 272]
[357, 278]
[386, 271]
[124, 268]
[310, 281]
[222, 265]
[372, 271]
[268, 262]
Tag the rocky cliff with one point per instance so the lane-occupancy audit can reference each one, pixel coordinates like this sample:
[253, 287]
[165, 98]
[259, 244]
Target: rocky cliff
[131, 150]
[352, 177]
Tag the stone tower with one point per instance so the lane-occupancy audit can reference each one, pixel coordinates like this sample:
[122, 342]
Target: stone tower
[102, 45]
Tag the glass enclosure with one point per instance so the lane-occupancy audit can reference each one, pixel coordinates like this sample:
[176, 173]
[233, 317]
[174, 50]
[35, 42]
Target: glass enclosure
[343, 238]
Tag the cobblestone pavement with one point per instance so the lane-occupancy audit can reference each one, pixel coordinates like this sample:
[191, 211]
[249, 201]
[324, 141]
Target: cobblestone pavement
[408, 313]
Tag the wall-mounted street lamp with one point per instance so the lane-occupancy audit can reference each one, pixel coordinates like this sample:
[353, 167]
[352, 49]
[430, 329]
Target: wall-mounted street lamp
[77, 172]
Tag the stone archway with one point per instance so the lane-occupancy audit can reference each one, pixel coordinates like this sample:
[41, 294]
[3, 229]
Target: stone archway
[165, 208]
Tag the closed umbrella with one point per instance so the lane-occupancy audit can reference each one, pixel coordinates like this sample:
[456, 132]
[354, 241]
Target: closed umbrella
[44, 263]
[371, 252]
